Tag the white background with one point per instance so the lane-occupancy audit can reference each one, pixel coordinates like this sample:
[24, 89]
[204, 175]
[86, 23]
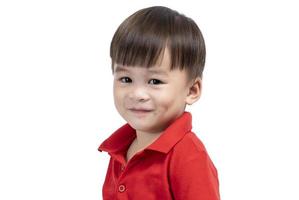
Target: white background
[56, 103]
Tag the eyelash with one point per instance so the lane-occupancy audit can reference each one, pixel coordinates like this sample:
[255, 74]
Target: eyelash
[128, 80]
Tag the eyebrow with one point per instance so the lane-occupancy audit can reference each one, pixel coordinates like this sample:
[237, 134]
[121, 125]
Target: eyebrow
[159, 72]
[119, 68]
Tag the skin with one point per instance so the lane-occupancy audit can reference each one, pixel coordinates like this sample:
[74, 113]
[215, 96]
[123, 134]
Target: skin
[150, 99]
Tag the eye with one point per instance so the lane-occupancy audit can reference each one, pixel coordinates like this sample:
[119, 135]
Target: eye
[155, 82]
[125, 80]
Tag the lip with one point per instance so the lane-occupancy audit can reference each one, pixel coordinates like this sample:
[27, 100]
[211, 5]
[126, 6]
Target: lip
[140, 111]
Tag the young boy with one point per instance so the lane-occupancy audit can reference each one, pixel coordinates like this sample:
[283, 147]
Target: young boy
[158, 56]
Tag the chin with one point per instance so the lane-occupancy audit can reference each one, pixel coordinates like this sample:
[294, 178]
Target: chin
[141, 127]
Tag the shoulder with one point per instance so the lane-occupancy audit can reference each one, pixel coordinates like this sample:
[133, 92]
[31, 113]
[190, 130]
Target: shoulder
[190, 152]
[192, 174]
[190, 143]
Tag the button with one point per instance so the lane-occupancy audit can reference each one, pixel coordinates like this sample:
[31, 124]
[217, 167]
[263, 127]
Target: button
[121, 188]
[122, 168]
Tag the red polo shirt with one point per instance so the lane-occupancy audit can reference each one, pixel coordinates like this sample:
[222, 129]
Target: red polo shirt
[175, 166]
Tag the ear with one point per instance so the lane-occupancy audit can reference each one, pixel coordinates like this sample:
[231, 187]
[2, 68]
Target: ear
[194, 91]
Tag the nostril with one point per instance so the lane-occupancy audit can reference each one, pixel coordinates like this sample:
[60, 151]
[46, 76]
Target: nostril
[142, 99]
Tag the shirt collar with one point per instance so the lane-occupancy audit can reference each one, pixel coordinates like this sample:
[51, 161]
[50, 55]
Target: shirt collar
[123, 137]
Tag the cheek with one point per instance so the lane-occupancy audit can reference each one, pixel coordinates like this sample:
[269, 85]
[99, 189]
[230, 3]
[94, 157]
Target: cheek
[164, 99]
[120, 97]
[116, 90]
[116, 95]
[170, 97]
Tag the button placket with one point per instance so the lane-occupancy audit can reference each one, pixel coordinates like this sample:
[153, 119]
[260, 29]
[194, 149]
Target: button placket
[121, 187]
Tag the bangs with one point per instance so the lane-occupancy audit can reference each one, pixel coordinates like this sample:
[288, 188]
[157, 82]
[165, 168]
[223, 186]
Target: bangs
[140, 39]
[137, 48]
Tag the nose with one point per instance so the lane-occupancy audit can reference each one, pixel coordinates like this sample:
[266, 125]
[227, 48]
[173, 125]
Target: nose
[139, 94]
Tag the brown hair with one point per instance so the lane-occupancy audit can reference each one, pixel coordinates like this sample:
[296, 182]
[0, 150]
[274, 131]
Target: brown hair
[143, 36]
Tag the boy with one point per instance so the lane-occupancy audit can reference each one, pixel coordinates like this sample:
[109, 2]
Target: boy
[158, 56]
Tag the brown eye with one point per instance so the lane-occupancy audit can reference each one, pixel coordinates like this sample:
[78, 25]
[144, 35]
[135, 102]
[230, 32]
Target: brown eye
[155, 81]
[125, 80]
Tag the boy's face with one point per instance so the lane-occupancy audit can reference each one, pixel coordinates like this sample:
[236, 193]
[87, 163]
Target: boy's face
[149, 99]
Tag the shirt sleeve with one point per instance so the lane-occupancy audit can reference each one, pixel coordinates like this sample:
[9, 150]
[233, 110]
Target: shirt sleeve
[193, 176]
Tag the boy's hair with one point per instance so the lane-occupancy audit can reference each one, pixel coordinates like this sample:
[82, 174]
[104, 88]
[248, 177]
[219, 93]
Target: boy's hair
[143, 37]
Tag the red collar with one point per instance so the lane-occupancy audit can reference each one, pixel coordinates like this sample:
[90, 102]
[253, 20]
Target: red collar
[123, 137]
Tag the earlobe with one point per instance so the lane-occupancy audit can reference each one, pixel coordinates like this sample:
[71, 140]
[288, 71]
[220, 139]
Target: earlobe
[194, 92]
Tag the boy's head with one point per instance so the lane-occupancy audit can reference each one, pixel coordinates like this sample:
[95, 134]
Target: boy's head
[158, 56]
[141, 39]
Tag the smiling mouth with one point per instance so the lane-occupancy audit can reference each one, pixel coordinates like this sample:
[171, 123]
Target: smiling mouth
[140, 111]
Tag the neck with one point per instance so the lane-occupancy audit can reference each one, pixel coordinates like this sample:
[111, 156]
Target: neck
[143, 139]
